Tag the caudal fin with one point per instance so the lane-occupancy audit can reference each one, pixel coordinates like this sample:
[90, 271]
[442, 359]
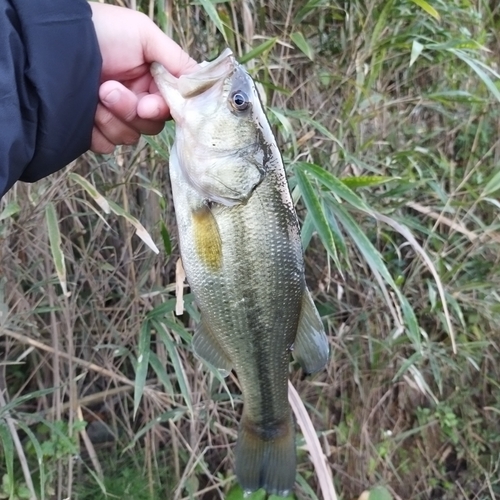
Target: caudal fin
[265, 458]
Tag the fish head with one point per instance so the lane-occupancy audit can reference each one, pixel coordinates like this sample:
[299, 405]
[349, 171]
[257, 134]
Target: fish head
[223, 139]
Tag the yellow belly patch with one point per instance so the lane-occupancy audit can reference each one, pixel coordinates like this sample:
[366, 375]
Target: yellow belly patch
[207, 239]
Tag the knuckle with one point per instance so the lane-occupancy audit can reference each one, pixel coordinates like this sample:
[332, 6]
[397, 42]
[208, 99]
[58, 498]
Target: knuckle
[103, 117]
[99, 144]
[131, 137]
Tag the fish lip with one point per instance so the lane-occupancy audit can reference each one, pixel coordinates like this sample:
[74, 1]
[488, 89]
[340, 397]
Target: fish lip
[208, 75]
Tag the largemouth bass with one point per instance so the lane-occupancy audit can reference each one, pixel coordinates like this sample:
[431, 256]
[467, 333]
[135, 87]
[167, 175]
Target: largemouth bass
[241, 250]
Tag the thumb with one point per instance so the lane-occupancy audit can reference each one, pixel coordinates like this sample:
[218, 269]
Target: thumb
[161, 48]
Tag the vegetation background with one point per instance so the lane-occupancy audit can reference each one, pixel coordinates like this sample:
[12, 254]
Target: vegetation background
[387, 114]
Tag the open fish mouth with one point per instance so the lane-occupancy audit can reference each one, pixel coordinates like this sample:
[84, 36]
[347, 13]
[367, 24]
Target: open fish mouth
[201, 80]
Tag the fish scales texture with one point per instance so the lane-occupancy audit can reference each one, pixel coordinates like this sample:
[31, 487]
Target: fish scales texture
[241, 250]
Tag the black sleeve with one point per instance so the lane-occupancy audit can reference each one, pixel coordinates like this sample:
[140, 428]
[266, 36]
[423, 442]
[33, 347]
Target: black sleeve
[50, 66]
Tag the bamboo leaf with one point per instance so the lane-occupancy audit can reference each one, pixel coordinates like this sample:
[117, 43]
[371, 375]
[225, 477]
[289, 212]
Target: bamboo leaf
[259, 50]
[315, 208]
[287, 129]
[375, 261]
[140, 230]
[416, 50]
[212, 13]
[336, 186]
[91, 190]
[11, 209]
[362, 181]
[379, 493]
[176, 363]
[298, 39]
[306, 9]
[162, 374]
[8, 453]
[476, 67]
[300, 115]
[430, 10]
[165, 236]
[55, 246]
[492, 186]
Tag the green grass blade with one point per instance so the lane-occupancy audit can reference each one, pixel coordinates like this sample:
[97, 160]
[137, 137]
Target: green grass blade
[141, 370]
[172, 415]
[8, 452]
[176, 363]
[55, 245]
[375, 261]
[315, 208]
[161, 373]
[492, 185]
[22, 399]
[39, 455]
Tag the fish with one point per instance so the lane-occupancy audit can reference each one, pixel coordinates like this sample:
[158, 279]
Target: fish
[240, 246]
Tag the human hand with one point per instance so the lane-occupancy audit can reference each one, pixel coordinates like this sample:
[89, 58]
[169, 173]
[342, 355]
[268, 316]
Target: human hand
[130, 104]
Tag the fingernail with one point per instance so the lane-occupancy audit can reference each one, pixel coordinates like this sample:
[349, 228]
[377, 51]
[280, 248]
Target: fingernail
[112, 97]
[156, 112]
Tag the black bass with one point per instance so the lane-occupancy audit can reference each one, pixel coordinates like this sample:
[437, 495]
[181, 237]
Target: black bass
[241, 250]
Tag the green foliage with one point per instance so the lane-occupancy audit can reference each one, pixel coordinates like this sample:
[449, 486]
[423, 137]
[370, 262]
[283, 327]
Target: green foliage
[236, 493]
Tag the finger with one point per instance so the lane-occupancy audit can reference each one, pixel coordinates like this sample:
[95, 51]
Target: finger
[100, 144]
[140, 84]
[119, 100]
[114, 129]
[152, 107]
[132, 107]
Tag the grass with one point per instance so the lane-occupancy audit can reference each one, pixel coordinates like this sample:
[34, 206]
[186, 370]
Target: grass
[399, 101]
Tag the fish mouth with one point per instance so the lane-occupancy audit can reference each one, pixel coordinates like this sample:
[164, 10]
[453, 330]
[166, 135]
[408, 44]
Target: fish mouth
[208, 75]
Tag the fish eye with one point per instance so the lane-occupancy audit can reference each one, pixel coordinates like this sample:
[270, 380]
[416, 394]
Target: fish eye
[239, 100]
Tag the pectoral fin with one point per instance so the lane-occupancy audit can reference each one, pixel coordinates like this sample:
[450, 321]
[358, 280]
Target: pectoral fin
[207, 238]
[311, 348]
[207, 347]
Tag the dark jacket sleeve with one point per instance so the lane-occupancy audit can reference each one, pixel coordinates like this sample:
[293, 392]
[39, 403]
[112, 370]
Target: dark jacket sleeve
[50, 67]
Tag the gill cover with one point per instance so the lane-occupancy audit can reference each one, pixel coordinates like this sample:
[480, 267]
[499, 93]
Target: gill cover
[217, 145]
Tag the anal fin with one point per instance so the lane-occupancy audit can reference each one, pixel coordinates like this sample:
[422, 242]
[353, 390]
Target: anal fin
[311, 347]
[208, 349]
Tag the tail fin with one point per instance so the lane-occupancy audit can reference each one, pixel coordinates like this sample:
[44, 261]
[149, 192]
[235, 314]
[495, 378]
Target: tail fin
[265, 458]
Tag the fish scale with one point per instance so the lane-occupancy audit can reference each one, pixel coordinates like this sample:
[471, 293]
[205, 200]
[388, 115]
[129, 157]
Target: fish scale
[240, 246]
